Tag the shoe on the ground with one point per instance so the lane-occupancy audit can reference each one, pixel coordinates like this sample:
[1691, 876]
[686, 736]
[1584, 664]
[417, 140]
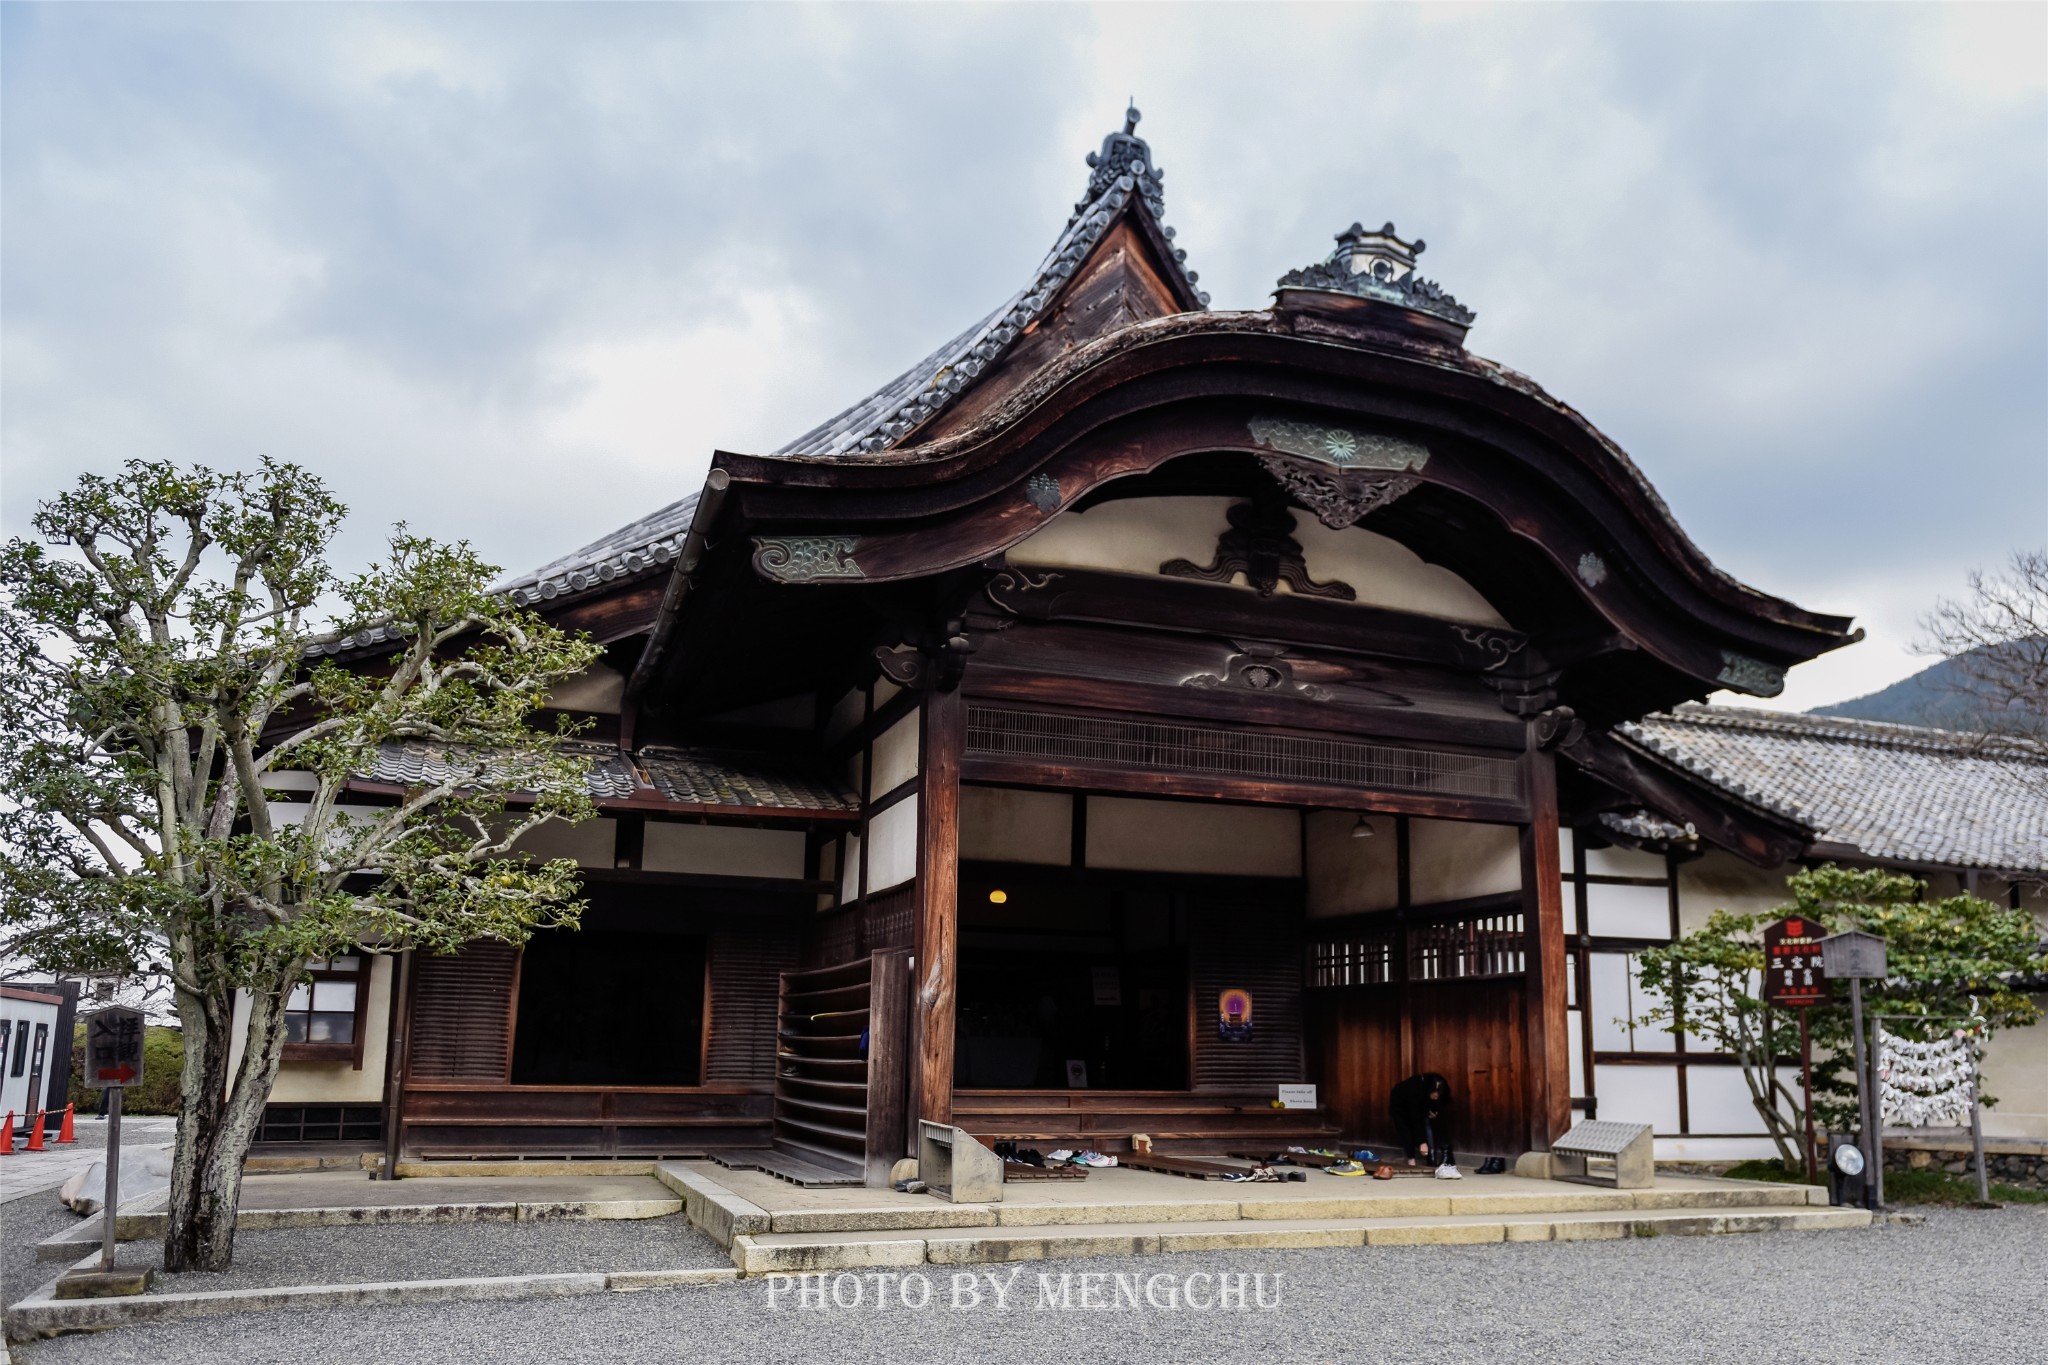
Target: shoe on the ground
[1383, 1173]
[1060, 1154]
[1344, 1168]
[1449, 1172]
[1365, 1154]
[1493, 1165]
[1095, 1159]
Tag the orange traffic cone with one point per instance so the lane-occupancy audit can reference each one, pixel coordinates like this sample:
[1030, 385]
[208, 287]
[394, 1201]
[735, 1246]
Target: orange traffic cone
[7, 1135]
[64, 1133]
[35, 1135]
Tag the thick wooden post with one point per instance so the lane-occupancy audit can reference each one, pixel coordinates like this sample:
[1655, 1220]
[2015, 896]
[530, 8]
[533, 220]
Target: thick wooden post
[943, 734]
[1548, 1067]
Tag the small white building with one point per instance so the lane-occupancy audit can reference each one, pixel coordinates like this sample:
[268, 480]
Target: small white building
[35, 1047]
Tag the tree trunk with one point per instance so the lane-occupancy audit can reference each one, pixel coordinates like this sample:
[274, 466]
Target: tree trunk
[217, 1123]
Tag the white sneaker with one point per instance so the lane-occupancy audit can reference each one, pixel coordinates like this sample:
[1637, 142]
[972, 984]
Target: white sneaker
[1060, 1154]
[1449, 1172]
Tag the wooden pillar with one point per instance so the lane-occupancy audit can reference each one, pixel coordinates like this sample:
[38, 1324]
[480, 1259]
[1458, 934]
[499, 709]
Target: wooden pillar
[942, 732]
[1548, 1068]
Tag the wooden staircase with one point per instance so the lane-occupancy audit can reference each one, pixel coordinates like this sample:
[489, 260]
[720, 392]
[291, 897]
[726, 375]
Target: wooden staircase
[841, 1063]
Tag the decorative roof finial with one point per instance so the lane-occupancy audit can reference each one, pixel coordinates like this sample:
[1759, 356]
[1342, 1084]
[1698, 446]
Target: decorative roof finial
[1377, 267]
[1125, 154]
[1131, 117]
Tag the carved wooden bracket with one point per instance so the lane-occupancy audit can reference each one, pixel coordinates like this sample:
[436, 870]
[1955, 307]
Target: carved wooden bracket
[1557, 728]
[1260, 545]
[1338, 498]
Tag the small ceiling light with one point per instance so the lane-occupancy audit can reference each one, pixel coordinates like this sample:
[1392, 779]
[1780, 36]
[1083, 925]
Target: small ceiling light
[998, 897]
[1363, 829]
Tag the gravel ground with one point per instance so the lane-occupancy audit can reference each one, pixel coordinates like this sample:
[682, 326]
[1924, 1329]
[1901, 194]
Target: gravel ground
[439, 1251]
[1966, 1287]
[23, 1223]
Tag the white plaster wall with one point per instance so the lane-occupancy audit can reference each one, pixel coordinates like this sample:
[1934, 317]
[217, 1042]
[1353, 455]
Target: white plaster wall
[592, 843]
[895, 756]
[1141, 835]
[1628, 911]
[849, 875]
[14, 1093]
[1451, 860]
[2016, 1075]
[598, 689]
[1347, 875]
[892, 845]
[722, 850]
[1620, 862]
[1137, 535]
[339, 1082]
[1722, 881]
[1006, 825]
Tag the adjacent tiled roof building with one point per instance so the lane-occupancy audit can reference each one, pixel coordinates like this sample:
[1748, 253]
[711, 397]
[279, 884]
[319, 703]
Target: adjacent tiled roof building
[1894, 793]
[685, 777]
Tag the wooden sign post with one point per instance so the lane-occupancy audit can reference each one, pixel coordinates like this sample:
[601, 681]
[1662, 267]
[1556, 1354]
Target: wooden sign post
[113, 1062]
[1796, 978]
[1860, 957]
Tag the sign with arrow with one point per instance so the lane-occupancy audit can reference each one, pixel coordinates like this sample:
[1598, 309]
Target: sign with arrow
[113, 1048]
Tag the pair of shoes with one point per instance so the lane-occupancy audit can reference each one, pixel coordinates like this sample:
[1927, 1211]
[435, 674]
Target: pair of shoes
[1383, 1173]
[1259, 1173]
[1344, 1168]
[1449, 1172]
[1060, 1154]
[1493, 1165]
[1365, 1154]
[1095, 1159]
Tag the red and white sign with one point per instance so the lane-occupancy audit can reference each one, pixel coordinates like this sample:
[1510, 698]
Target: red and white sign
[1793, 975]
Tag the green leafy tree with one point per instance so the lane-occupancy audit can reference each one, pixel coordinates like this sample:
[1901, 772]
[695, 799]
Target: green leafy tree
[1947, 960]
[175, 760]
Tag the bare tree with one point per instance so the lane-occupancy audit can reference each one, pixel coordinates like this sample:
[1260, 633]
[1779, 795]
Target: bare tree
[1997, 640]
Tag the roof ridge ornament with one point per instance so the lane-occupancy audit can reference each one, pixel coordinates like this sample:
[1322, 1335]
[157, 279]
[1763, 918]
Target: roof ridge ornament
[1125, 162]
[1378, 268]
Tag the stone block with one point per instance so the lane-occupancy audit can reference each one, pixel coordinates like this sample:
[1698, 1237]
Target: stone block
[758, 1258]
[1436, 1234]
[1534, 1166]
[1389, 1206]
[627, 1281]
[930, 1215]
[102, 1284]
[1009, 1247]
[1251, 1235]
[1068, 1215]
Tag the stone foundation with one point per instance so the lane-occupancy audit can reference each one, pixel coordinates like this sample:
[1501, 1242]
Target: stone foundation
[2026, 1170]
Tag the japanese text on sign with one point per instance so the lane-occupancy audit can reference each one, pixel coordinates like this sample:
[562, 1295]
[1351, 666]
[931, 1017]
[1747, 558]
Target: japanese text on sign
[113, 1048]
[1793, 974]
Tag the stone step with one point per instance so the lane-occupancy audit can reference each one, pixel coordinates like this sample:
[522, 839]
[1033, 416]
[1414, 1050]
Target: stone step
[771, 1252]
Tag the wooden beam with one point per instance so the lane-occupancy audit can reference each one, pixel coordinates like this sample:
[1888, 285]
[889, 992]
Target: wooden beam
[1548, 1069]
[943, 731]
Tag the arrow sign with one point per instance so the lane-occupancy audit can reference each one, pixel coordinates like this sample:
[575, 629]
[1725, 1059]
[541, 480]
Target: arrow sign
[113, 1048]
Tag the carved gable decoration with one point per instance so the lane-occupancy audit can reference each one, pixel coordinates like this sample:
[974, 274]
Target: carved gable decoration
[1261, 546]
[1337, 473]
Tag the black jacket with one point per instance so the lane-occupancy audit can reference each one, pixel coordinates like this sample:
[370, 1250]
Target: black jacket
[1412, 1108]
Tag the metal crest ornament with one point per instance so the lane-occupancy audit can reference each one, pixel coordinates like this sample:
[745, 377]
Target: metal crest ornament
[1260, 667]
[1753, 676]
[1338, 446]
[1042, 491]
[807, 559]
[1592, 569]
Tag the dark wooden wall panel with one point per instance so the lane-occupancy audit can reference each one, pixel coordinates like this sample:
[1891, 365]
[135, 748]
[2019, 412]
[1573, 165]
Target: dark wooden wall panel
[746, 966]
[1471, 1031]
[462, 1014]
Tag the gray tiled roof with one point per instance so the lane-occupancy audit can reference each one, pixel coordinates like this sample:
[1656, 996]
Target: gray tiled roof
[1896, 792]
[685, 776]
[1121, 172]
[699, 777]
[654, 539]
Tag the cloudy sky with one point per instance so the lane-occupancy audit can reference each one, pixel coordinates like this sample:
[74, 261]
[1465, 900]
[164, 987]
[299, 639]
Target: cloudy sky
[511, 273]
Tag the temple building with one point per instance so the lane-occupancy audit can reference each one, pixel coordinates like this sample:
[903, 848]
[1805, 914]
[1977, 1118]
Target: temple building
[1132, 708]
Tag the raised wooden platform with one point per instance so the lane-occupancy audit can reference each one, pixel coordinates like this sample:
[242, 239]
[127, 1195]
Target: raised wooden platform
[1104, 1120]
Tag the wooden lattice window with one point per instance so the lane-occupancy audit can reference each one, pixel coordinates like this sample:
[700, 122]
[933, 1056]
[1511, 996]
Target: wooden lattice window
[325, 1018]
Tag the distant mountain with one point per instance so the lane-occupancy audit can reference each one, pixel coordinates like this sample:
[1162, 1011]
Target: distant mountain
[1930, 697]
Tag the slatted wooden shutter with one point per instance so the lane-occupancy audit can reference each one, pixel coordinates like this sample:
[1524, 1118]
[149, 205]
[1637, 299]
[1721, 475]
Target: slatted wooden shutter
[746, 970]
[462, 1014]
[1267, 962]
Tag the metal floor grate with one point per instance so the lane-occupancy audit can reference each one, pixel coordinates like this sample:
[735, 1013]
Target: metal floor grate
[1163, 746]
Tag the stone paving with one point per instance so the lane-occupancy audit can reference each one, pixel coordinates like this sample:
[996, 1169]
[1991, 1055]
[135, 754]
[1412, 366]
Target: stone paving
[25, 1173]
